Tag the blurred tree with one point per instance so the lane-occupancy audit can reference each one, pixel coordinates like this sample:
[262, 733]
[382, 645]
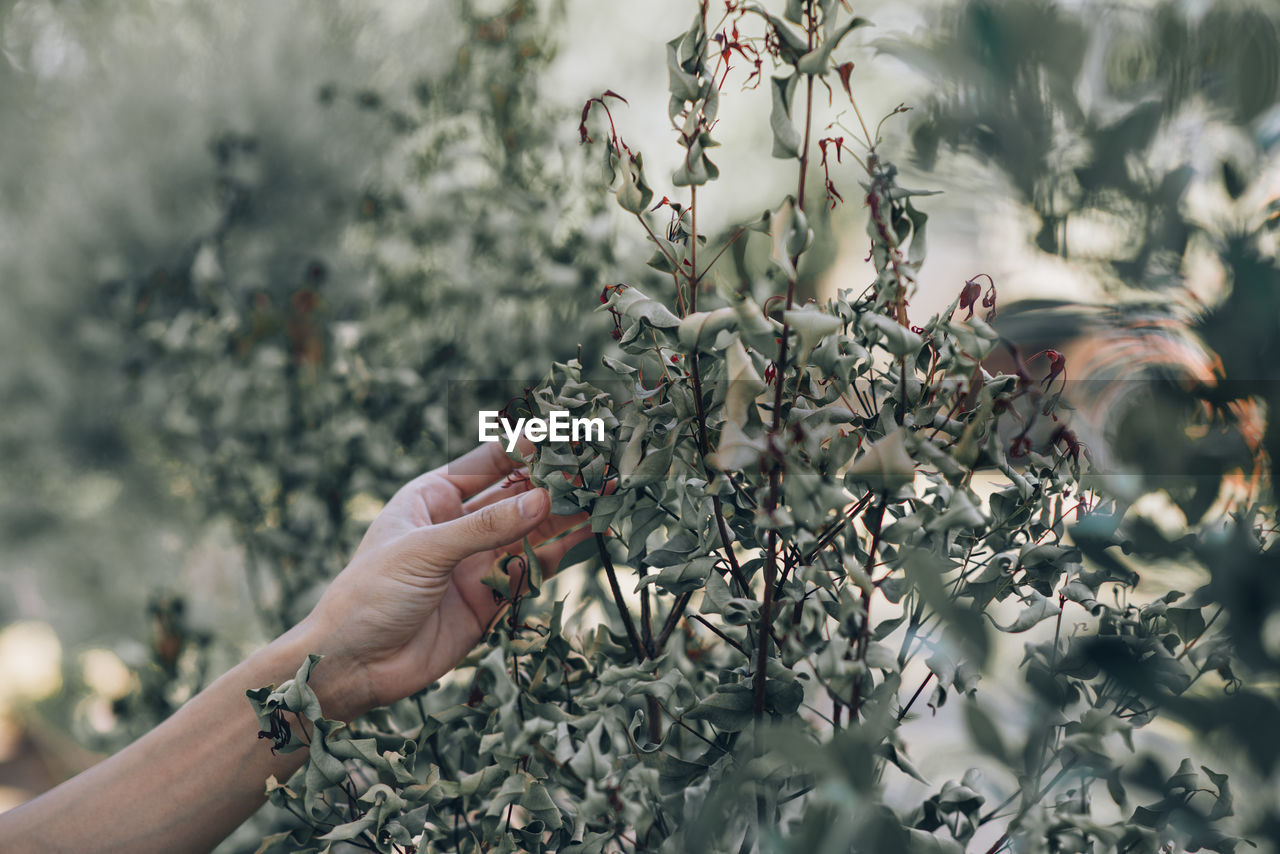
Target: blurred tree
[252, 281]
[1144, 140]
[258, 289]
[1109, 121]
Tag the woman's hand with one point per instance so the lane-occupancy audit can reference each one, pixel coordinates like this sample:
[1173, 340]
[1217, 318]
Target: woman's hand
[411, 603]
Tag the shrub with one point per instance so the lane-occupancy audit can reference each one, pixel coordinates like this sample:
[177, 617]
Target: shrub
[814, 526]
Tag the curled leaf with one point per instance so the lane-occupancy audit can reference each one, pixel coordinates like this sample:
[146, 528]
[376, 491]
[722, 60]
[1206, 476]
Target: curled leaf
[885, 465]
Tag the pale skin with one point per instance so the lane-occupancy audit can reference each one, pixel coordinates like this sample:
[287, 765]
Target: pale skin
[406, 609]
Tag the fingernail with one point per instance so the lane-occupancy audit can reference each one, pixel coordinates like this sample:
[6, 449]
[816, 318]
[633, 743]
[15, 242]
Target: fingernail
[533, 503]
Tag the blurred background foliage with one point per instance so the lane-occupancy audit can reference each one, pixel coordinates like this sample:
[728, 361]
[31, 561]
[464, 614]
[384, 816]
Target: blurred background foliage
[247, 250]
[246, 247]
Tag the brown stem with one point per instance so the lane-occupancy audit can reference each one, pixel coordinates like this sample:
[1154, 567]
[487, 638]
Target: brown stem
[733, 643]
[673, 619]
[775, 471]
[655, 718]
[828, 536]
[732, 240]
[734, 569]
[646, 617]
[766, 619]
[902, 713]
[998, 844]
[1039, 796]
[875, 525]
[693, 249]
[617, 598]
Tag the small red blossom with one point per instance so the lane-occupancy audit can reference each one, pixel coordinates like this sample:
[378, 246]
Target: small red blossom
[846, 70]
[1073, 446]
[1057, 364]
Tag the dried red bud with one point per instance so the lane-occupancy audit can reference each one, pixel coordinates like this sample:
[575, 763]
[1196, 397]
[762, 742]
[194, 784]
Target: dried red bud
[969, 296]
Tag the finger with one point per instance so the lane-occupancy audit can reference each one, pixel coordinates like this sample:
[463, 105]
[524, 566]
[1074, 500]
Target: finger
[521, 483]
[548, 555]
[507, 488]
[509, 521]
[481, 466]
[552, 526]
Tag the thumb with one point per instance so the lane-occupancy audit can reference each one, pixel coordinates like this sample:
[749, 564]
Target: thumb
[491, 527]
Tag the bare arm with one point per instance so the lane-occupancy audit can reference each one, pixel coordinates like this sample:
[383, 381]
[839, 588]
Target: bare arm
[406, 609]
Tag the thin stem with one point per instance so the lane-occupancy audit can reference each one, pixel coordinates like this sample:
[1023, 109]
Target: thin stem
[655, 718]
[627, 624]
[871, 144]
[1196, 639]
[724, 637]
[877, 524]
[734, 569]
[999, 843]
[1057, 778]
[827, 537]
[766, 615]
[646, 617]
[694, 278]
[673, 619]
[902, 713]
[670, 258]
[775, 471]
[732, 240]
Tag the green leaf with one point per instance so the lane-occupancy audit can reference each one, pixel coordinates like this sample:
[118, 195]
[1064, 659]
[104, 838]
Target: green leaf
[884, 465]
[985, 733]
[811, 324]
[633, 192]
[1224, 805]
[786, 139]
[1041, 608]
[700, 330]
[728, 709]
[348, 831]
[583, 551]
[898, 339]
[791, 43]
[815, 61]
[631, 302]
[682, 85]
[915, 253]
[533, 568]
[1187, 622]
[655, 465]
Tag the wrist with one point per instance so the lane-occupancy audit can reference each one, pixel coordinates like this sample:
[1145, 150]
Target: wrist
[338, 682]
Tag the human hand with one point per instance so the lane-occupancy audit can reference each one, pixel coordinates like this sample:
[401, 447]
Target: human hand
[411, 602]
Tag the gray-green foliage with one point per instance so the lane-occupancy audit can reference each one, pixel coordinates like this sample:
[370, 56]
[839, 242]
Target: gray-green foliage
[291, 380]
[1113, 118]
[809, 532]
[278, 314]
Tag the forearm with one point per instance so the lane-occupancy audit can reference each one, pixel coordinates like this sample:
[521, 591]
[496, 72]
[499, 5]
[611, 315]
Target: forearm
[188, 783]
